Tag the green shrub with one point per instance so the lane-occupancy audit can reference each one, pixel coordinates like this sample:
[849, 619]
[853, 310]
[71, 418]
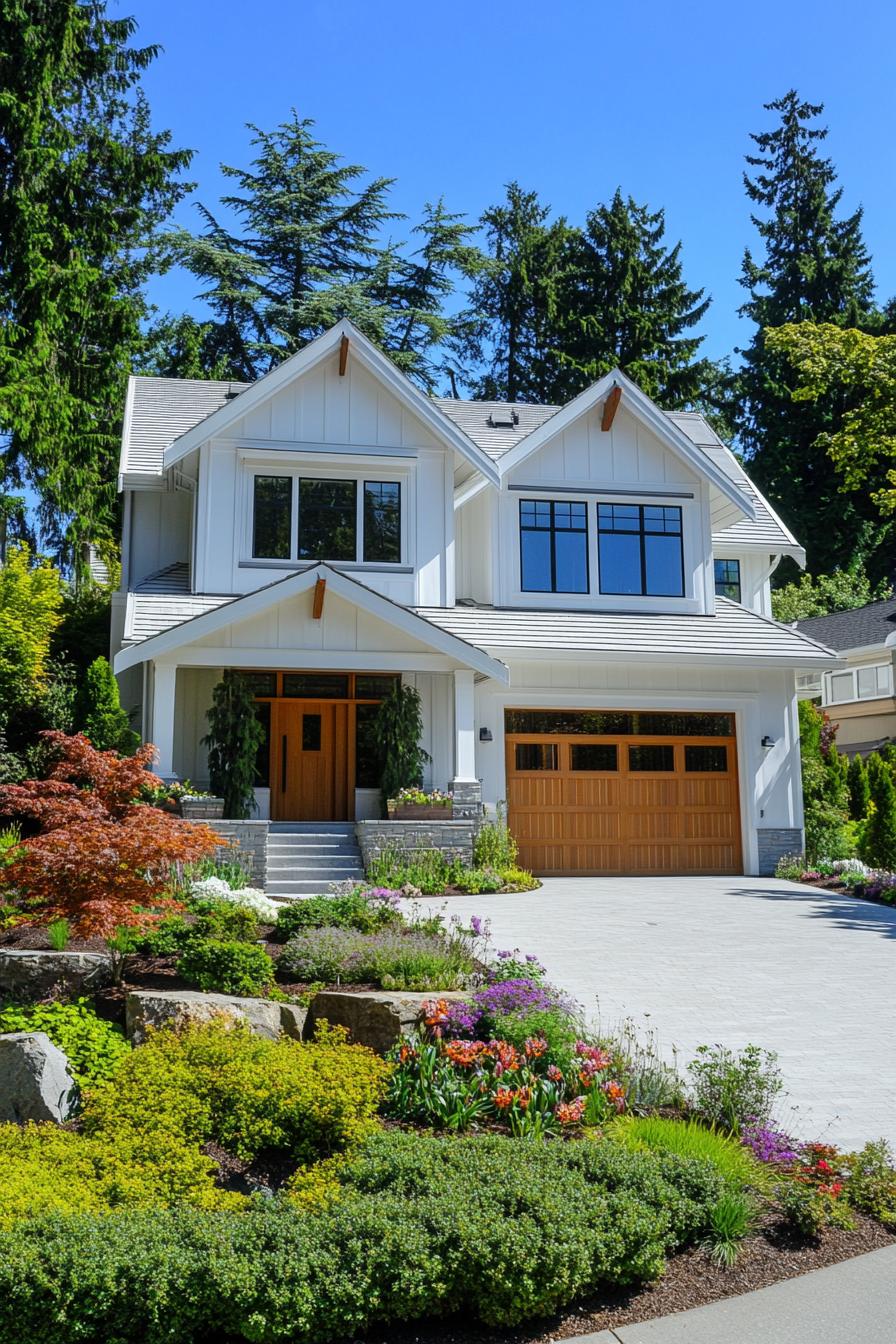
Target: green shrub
[224, 921]
[494, 846]
[731, 1088]
[790, 867]
[871, 1182]
[93, 1046]
[410, 959]
[348, 910]
[426, 869]
[59, 932]
[494, 1230]
[559, 1029]
[228, 968]
[688, 1138]
[45, 1169]
[519, 879]
[808, 1210]
[166, 938]
[217, 1082]
[730, 1220]
[476, 880]
[879, 836]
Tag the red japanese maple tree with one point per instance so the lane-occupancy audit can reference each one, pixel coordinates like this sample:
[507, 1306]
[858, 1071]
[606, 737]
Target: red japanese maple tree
[92, 853]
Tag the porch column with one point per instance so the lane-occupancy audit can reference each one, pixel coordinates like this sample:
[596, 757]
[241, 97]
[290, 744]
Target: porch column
[163, 683]
[465, 785]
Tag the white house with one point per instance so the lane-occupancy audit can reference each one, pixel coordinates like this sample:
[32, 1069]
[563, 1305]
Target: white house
[579, 593]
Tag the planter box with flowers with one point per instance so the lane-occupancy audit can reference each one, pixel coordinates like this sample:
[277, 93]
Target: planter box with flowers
[419, 805]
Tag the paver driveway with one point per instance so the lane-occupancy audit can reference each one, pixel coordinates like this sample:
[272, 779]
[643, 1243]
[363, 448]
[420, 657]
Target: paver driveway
[807, 973]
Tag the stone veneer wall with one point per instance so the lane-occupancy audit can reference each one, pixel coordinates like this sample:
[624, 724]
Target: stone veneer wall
[774, 843]
[453, 838]
[247, 841]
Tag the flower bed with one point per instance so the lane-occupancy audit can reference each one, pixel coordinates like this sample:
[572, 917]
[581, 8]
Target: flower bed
[847, 875]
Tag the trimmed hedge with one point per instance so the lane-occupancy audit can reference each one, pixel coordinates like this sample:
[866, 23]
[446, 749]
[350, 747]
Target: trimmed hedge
[500, 1230]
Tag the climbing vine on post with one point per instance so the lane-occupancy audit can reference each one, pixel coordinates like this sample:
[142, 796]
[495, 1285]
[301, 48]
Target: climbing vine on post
[233, 740]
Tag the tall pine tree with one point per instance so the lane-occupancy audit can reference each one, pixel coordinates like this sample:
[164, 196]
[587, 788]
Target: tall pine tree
[511, 330]
[85, 183]
[625, 303]
[814, 267]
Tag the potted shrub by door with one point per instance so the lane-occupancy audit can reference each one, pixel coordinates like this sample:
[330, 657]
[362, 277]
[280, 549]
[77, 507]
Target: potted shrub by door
[413, 804]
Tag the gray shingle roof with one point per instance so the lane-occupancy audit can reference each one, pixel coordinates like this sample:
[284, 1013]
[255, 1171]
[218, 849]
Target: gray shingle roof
[732, 635]
[160, 410]
[858, 629]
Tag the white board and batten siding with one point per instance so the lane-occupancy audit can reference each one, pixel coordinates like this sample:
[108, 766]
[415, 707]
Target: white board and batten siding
[347, 426]
[625, 464]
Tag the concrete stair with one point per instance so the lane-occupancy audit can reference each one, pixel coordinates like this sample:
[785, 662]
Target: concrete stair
[306, 857]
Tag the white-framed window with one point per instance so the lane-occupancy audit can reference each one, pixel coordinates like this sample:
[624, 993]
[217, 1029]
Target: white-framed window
[871, 682]
[355, 518]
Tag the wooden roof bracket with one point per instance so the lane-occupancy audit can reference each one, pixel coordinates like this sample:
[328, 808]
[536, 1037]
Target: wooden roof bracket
[611, 405]
[317, 609]
[343, 355]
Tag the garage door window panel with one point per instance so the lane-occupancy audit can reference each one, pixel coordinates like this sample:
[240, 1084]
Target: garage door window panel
[594, 756]
[710, 760]
[537, 756]
[651, 759]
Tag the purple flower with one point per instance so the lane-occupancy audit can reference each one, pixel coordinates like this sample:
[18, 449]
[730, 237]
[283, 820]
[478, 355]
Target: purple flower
[505, 955]
[476, 925]
[769, 1145]
[461, 1020]
[515, 996]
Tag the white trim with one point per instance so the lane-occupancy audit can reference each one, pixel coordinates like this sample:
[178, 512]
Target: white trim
[400, 618]
[643, 409]
[376, 363]
[123, 474]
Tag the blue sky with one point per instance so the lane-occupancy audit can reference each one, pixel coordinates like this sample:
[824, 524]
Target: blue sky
[572, 98]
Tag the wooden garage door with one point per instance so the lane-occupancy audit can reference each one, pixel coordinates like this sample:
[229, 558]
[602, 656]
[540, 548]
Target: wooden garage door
[646, 800]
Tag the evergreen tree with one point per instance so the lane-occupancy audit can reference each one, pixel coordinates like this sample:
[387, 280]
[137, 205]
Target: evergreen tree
[859, 789]
[625, 303]
[84, 184]
[879, 842]
[182, 347]
[305, 253]
[814, 268]
[233, 739]
[98, 712]
[399, 729]
[511, 331]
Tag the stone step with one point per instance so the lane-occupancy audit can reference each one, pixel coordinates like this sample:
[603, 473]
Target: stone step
[314, 847]
[304, 887]
[311, 828]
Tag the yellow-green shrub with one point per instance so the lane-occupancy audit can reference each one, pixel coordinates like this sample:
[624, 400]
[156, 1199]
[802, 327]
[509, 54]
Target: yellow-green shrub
[216, 1081]
[318, 1186]
[45, 1169]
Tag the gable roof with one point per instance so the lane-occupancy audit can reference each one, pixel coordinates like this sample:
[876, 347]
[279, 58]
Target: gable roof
[188, 617]
[734, 635]
[649, 414]
[376, 363]
[475, 417]
[863, 627]
[158, 410]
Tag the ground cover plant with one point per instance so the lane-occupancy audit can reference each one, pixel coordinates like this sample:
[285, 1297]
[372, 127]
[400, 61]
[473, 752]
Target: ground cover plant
[92, 1046]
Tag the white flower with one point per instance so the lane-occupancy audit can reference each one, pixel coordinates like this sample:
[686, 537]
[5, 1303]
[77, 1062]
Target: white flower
[215, 889]
[211, 889]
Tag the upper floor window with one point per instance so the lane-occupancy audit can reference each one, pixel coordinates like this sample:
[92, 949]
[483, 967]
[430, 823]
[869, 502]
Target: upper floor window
[728, 579]
[318, 518]
[859, 683]
[553, 546]
[640, 550]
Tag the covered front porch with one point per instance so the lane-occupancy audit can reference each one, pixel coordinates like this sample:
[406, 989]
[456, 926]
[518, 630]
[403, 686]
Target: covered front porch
[321, 651]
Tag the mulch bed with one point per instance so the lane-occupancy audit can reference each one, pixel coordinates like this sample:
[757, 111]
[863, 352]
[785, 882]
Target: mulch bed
[840, 888]
[691, 1280]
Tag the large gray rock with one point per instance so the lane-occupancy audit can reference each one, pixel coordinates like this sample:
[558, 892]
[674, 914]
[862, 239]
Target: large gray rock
[32, 975]
[156, 1008]
[35, 1083]
[376, 1018]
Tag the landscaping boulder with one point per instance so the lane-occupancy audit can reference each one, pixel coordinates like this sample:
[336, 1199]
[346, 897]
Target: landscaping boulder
[376, 1018]
[35, 1083]
[33, 975]
[157, 1007]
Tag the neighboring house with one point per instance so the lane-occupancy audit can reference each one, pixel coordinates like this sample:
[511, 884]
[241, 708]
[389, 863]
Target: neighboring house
[580, 594]
[860, 697]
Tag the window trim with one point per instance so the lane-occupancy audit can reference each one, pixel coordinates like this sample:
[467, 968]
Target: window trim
[853, 674]
[552, 532]
[641, 534]
[723, 560]
[254, 464]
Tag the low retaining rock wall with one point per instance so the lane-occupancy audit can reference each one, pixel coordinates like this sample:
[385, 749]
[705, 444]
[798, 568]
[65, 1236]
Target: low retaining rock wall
[453, 838]
[247, 842]
[34, 975]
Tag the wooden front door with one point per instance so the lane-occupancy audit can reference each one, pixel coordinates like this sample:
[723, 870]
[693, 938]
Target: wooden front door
[310, 760]
[621, 805]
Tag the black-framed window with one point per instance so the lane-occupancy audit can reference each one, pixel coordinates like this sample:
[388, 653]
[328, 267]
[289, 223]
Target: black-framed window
[537, 756]
[594, 756]
[553, 546]
[706, 760]
[382, 522]
[728, 579]
[651, 758]
[328, 519]
[640, 550]
[272, 517]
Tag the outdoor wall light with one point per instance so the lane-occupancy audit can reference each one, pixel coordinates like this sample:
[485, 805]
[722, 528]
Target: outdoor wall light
[767, 743]
[485, 735]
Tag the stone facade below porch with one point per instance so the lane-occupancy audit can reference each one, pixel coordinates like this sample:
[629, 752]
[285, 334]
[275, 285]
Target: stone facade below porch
[774, 843]
[453, 838]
